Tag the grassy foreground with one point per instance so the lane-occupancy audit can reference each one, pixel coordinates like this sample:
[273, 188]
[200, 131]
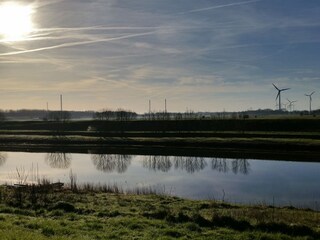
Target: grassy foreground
[92, 214]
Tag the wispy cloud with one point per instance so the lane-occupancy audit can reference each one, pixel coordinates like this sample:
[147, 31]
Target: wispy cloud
[122, 53]
[219, 6]
[72, 44]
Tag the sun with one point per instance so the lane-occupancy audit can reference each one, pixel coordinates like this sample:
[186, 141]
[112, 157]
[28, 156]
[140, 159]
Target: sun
[15, 21]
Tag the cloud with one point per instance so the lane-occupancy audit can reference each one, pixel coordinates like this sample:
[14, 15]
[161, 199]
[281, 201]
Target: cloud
[220, 6]
[73, 44]
[120, 52]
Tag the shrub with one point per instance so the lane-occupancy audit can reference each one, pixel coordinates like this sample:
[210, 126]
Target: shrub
[65, 206]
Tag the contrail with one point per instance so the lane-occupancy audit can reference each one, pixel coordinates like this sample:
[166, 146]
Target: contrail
[220, 6]
[39, 3]
[76, 44]
[98, 28]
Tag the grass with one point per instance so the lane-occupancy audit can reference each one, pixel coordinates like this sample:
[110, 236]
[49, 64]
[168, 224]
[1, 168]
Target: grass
[94, 214]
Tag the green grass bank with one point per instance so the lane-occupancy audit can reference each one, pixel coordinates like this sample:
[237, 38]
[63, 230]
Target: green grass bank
[101, 213]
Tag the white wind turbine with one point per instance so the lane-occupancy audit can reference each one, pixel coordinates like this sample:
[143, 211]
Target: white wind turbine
[279, 94]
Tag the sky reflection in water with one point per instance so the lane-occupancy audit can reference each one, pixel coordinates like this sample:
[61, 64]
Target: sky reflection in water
[235, 180]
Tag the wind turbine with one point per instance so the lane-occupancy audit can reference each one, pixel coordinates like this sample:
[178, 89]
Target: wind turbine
[279, 94]
[310, 100]
[291, 104]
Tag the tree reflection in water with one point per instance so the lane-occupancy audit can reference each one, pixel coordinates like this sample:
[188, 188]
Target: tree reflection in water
[190, 164]
[195, 164]
[3, 158]
[157, 163]
[110, 162]
[58, 160]
[219, 164]
[241, 165]
[237, 165]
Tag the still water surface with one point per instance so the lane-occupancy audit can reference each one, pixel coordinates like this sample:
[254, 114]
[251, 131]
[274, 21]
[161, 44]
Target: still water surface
[233, 180]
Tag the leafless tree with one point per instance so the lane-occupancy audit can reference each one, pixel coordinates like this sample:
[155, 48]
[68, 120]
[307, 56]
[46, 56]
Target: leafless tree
[241, 165]
[219, 164]
[110, 162]
[157, 163]
[190, 164]
[58, 160]
[3, 158]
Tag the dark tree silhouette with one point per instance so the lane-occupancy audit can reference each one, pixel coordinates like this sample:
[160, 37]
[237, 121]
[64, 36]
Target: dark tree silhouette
[3, 158]
[111, 163]
[236, 165]
[220, 165]
[190, 164]
[157, 163]
[58, 160]
[241, 165]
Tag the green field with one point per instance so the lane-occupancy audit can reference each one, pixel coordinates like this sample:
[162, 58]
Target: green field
[92, 213]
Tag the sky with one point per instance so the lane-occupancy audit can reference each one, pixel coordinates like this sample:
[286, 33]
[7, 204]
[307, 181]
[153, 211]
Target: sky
[203, 55]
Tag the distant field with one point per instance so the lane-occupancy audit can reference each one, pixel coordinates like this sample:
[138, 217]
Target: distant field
[283, 136]
[264, 125]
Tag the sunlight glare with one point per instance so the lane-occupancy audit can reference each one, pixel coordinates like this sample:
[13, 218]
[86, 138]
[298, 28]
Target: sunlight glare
[15, 21]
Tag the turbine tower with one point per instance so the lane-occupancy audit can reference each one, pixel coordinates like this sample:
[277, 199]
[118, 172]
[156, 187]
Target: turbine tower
[279, 94]
[310, 100]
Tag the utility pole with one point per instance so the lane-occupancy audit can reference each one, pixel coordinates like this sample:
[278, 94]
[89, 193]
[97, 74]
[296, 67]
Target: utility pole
[47, 111]
[60, 107]
[165, 108]
[165, 105]
[149, 110]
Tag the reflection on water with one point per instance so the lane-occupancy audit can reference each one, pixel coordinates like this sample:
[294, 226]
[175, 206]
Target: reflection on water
[190, 164]
[241, 166]
[58, 160]
[119, 163]
[195, 164]
[157, 163]
[237, 165]
[110, 162]
[240, 180]
[3, 158]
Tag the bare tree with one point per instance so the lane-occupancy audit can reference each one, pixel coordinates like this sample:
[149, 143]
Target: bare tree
[110, 162]
[3, 158]
[157, 163]
[219, 164]
[190, 164]
[58, 160]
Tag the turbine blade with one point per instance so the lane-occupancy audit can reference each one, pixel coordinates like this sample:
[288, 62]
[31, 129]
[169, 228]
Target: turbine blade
[312, 93]
[278, 95]
[284, 89]
[275, 86]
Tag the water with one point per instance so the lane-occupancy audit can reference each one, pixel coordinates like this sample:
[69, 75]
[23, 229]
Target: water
[233, 180]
